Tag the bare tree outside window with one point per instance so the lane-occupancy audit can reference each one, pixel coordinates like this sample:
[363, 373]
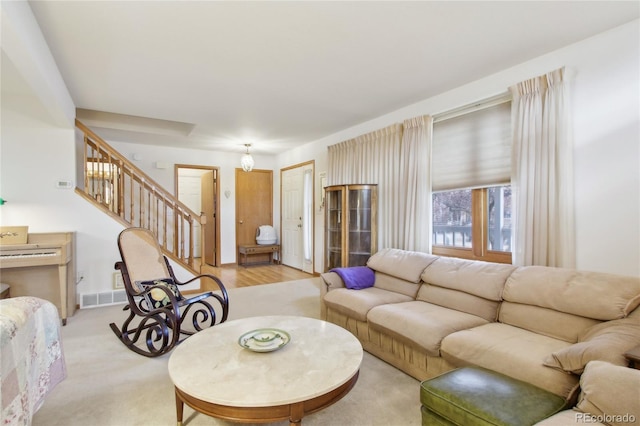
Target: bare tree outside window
[453, 218]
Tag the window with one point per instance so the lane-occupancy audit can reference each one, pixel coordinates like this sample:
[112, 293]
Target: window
[473, 223]
[471, 204]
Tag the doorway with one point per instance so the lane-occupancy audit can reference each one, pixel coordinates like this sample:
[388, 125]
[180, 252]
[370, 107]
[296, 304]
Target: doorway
[254, 207]
[198, 187]
[297, 216]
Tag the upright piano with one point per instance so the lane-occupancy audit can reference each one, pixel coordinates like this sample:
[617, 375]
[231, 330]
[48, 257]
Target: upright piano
[44, 267]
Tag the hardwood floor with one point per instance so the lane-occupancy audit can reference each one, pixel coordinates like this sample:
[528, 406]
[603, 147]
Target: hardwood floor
[233, 276]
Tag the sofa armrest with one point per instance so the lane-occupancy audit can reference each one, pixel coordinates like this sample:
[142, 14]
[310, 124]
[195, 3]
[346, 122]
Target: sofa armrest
[330, 281]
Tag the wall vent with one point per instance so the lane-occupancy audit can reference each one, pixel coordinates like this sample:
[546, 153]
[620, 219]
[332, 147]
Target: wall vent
[103, 298]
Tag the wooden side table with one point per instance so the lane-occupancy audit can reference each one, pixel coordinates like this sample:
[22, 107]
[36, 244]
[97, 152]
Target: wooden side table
[633, 355]
[248, 250]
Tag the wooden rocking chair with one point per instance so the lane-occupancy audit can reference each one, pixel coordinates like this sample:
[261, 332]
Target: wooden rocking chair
[157, 309]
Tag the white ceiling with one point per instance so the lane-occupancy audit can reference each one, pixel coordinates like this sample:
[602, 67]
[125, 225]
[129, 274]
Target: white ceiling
[217, 74]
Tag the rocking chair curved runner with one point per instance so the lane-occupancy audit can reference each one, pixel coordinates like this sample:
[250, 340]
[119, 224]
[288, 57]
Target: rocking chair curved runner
[158, 313]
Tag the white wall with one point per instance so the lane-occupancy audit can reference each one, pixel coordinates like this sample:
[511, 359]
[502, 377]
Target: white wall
[26, 48]
[34, 155]
[606, 115]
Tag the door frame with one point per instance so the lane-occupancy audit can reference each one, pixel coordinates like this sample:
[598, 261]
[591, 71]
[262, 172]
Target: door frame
[241, 207]
[216, 171]
[311, 163]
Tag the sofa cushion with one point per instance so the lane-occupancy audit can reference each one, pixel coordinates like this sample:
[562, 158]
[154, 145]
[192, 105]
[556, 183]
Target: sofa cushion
[398, 285]
[559, 325]
[589, 294]
[606, 341]
[407, 265]
[357, 303]
[459, 300]
[629, 326]
[512, 351]
[610, 392]
[482, 279]
[419, 323]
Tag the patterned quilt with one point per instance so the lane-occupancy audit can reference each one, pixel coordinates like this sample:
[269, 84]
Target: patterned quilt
[31, 358]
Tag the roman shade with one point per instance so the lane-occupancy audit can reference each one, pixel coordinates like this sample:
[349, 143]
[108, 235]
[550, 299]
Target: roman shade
[473, 149]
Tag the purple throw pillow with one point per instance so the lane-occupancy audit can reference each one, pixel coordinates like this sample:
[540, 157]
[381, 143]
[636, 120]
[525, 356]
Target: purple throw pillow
[356, 277]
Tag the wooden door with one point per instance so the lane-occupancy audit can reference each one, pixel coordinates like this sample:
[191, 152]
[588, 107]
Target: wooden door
[208, 208]
[254, 206]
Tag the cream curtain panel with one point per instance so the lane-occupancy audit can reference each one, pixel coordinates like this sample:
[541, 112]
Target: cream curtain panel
[542, 173]
[415, 191]
[372, 159]
[395, 158]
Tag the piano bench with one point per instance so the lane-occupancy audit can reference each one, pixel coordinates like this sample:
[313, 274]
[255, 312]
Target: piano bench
[5, 291]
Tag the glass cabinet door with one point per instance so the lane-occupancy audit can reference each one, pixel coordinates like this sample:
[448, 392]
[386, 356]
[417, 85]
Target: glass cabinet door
[334, 227]
[359, 242]
[350, 227]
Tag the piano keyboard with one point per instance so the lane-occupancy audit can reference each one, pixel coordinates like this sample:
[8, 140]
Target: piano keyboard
[35, 256]
[27, 255]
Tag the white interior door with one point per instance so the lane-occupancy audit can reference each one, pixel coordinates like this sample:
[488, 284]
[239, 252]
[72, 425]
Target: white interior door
[298, 218]
[292, 212]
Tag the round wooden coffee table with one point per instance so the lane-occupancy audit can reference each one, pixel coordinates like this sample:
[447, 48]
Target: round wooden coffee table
[216, 376]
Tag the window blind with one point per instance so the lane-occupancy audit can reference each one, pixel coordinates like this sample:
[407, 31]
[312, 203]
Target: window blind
[472, 150]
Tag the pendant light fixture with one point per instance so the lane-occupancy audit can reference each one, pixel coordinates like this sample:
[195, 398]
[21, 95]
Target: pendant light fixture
[247, 160]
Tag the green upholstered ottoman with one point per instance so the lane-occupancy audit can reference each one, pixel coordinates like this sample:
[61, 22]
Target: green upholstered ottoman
[475, 396]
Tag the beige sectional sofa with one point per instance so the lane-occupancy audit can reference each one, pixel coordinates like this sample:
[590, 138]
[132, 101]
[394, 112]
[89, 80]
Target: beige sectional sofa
[427, 314]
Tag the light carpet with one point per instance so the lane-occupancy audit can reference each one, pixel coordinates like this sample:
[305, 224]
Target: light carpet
[108, 385]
